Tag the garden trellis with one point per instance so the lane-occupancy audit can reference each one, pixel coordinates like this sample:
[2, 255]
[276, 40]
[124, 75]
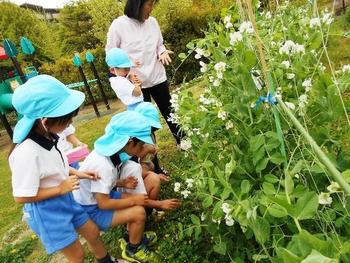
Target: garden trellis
[253, 168]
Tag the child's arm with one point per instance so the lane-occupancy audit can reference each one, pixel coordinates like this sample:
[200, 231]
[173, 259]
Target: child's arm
[137, 85]
[168, 204]
[130, 182]
[73, 139]
[68, 185]
[104, 202]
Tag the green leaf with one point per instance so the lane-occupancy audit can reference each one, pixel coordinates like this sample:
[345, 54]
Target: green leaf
[245, 186]
[306, 206]
[182, 56]
[270, 178]
[220, 248]
[277, 158]
[212, 188]
[298, 167]
[256, 142]
[268, 188]
[277, 211]
[288, 183]
[195, 220]
[346, 175]
[257, 156]
[261, 165]
[261, 229]
[317, 257]
[208, 201]
[288, 256]
[230, 167]
[249, 59]
[190, 45]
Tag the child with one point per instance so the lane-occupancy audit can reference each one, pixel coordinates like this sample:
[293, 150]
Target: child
[149, 159]
[125, 135]
[128, 91]
[67, 140]
[40, 172]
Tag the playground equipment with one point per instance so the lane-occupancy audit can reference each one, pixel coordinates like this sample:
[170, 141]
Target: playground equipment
[78, 63]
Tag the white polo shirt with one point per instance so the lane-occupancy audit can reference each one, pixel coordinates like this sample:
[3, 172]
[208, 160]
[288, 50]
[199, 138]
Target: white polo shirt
[124, 88]
[37, 163]
[62, 141]
[144, 43]
[108, 173]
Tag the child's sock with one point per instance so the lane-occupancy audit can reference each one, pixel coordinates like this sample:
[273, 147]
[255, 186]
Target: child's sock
[132, 248]
[107, 259]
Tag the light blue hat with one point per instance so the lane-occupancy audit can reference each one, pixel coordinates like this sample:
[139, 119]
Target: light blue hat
[42, 96]
[118, 58]
[150, 112]
[120, 129]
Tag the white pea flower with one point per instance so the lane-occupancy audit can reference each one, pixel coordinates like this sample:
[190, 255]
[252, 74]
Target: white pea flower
[286, 63]
[273, 43]
[229, 220]
[227, 19]
[177, 187]
[186, 144]
[327, 18]
[290, 105]
[211, 79]
[220, 75]
[222, 115]
[307, 84]
[220, 66]
[228, 25]
[203, 66]
[200, 53]
[235, 37]
[203, 217]
[253, 105]
[246, 26]
[315, 22]
[216, 83]
[189, 183]
[229, 125]
[333, 187]
[290, 75]
[302, 100]
[226, 208]
[346, 68]
[325, 199]
[268, 15]
[185, 193]
[297, 48]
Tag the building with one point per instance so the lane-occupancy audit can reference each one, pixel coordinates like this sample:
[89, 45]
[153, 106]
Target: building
[43, 13]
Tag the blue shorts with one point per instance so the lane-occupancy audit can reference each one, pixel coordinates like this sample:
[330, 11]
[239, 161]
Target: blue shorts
[102, 218]
[55, 221]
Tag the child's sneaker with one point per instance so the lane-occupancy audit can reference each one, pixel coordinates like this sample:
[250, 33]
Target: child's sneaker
[149, 239]
[141, 255]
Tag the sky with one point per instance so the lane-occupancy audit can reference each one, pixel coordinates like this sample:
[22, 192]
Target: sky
[43, 3]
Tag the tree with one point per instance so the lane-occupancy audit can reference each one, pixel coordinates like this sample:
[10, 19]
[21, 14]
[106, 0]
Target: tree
[16, 22]
[76, 28]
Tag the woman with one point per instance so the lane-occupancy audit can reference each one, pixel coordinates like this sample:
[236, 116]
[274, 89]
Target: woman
[138, 34]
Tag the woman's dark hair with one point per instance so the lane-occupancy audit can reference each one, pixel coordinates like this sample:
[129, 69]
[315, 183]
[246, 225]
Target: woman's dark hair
[133, 9]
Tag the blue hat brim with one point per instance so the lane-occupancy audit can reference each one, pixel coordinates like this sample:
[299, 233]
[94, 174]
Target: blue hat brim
[125, 65]
[109, 144]
[155, 124]
[22, 129]
[73, 102]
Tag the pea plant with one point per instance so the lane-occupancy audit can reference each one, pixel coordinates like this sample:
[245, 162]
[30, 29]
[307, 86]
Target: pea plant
[263, 193]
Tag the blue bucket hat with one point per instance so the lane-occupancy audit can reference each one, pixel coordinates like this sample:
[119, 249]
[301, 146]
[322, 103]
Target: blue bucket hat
[120, 129]
[118, 58]
[42, 96]
[150, 112]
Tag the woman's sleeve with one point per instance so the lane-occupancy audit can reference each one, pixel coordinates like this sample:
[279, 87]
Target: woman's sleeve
[160, 46]
[113, 36]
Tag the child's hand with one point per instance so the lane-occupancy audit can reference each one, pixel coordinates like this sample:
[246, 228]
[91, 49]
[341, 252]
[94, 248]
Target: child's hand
[130, 182]
[70, 184]
[169, 204]
[88, 175]
[134, 79]
[164, 178]
[139, 199]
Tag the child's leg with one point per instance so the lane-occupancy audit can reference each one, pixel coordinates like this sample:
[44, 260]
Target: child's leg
[135, 217]
[152, 184]
[92, 235]
[74, 252]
